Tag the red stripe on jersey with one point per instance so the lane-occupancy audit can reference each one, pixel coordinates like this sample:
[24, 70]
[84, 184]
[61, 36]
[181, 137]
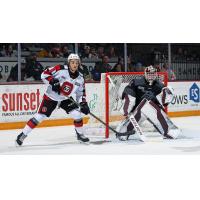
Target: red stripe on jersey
[49, 78]
[47, 72]
[56, 68]
[31, 124]
[78, 123]
[46, 97]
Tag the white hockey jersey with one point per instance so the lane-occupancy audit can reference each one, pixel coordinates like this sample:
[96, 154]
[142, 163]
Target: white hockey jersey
[70, 87]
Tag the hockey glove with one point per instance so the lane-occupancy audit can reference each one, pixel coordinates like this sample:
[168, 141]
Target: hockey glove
[149, 96]
[69, 105]
[84, 108]
[55, 85]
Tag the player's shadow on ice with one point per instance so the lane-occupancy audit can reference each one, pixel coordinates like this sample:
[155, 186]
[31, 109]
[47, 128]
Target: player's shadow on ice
[35, 147]
[59, 145]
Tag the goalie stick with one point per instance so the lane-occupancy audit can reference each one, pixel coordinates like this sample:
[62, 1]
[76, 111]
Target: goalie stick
[137, 128]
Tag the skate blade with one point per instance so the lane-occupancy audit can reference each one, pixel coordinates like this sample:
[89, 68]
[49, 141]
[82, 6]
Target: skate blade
[17, 145]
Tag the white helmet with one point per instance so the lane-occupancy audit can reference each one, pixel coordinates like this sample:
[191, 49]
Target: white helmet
[150, 74]
[73, 56]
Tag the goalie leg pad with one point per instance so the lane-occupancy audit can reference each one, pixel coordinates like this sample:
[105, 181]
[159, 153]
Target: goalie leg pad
[131, 122]
[126, 125]
[122, 127]
[137, 112]
[153, 114]
[174, 133]
[160, 120]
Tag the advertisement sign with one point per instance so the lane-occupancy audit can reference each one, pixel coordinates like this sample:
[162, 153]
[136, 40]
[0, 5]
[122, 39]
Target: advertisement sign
[20, 102]
[187, 96]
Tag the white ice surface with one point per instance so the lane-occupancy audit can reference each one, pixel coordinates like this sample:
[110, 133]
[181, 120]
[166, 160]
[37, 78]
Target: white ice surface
[62, 140]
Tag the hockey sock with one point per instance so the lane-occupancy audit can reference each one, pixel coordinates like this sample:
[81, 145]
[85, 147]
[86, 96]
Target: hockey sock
[79, 125]
[32, 123]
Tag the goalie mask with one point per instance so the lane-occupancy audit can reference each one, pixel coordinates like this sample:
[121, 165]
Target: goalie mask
[150, 74]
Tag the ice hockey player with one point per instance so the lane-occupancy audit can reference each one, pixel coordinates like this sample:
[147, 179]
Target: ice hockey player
[141, 98]
[65, 88]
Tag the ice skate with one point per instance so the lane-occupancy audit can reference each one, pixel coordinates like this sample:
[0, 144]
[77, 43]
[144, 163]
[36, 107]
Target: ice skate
[82, 138]
[20, 139]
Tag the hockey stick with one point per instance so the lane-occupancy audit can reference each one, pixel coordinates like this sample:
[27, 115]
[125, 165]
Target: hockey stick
[118, 134]
[137, 128]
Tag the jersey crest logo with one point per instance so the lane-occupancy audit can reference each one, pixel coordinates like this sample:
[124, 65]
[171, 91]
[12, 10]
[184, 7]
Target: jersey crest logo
[67, 88]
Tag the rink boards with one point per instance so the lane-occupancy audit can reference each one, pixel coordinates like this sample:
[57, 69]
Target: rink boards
[18, 103]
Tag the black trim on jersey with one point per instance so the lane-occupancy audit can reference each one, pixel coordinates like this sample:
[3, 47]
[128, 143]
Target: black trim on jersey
[80, 74]
[62, 67]
[73, 75]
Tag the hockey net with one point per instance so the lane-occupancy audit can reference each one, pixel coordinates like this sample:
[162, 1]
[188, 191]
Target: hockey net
[110, 105]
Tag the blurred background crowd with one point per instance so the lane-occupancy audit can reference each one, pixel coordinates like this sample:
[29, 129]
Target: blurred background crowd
[98, 58]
